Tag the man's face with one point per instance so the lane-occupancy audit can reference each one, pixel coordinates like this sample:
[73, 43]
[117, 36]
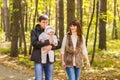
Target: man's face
[43, 23]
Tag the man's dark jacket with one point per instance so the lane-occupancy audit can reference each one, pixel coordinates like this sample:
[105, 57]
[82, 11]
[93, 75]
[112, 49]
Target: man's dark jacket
[36, 53]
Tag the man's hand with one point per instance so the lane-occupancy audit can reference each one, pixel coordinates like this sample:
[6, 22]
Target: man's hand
[51, 40]
[42, 40]
[48, 48]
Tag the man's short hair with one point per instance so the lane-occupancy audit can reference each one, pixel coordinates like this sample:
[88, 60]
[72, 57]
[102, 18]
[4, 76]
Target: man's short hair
[43, 17]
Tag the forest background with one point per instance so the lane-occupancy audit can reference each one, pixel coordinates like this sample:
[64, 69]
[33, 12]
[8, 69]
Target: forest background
[100, 20]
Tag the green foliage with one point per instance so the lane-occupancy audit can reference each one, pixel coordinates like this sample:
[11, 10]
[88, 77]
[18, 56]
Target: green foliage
[110, 57]
[101, 63]
[4, 46]
[113, 44]
[21, 51]
[1, 3]
[2, 36]
[25, 60]
[15, 10]
[4, 50]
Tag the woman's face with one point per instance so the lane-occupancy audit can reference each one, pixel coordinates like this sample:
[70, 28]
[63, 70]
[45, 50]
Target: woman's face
[73, 28]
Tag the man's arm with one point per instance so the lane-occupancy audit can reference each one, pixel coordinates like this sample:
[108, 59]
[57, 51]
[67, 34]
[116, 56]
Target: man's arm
[35, 42]
[57, 47]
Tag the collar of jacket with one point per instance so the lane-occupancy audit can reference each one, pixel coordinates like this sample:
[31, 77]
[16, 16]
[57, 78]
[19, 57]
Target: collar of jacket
[38, 27]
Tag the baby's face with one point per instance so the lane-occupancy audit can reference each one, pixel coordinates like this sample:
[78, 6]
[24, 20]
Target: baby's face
[51, 33]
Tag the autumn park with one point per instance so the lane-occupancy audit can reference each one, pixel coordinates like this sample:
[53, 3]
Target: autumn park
[100, 22]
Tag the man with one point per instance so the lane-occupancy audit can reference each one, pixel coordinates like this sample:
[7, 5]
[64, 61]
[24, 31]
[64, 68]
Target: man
[48, 67]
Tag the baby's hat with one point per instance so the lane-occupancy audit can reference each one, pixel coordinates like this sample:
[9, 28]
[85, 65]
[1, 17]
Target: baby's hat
[49, 29]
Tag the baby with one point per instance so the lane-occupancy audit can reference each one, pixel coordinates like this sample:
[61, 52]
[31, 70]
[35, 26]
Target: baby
[47, 34]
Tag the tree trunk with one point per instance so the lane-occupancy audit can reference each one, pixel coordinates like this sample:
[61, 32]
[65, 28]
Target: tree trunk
[35, 15]
[30, 49]
[119, 20]
[61, 20]
[70, 12]
[11, 21]
[57, 16]
[26, 16]
[15, 28]
[81, 12]
[1, 18]
[29, 21]
[21, 32]
[102, 24]
[114, 32]
[95, 39]
[22, 28]
[88, 29]
[78, 9]
[6, 20]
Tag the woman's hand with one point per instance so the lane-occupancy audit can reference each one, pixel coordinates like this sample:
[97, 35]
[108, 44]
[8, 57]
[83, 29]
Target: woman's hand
[63, 64]
[87, 62]
[88, 66]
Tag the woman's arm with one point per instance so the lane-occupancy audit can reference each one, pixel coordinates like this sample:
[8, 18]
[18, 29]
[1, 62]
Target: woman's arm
[62, 51]
[85, 53]
[87, 62]
[62, 60]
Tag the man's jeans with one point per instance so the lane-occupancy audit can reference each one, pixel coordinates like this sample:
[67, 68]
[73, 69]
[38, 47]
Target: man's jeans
[73, 73]
[46, 68]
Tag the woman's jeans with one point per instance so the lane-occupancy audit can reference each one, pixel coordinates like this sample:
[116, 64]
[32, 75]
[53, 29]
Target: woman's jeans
[73, 73]
[46, 68]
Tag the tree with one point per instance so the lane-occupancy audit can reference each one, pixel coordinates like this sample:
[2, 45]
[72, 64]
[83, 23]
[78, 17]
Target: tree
[35, 15]
[114, 32]
[70, 12]
[61, 20]
[79, 10]
[95, 39]
[118, 18]
[57, 17]
[6, 20]
[26, 16]
[34, 18]
[22, 10]
[15, 28]
[88, 30]
[102, 24]
[1, 21]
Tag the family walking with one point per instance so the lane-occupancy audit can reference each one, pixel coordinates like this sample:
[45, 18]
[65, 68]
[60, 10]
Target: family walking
[45, 41]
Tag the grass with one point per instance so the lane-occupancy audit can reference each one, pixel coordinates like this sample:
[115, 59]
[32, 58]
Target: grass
[4, 50]
[25, 60]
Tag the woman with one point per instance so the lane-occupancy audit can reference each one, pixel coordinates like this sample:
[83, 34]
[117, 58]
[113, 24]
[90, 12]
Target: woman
[73, 46]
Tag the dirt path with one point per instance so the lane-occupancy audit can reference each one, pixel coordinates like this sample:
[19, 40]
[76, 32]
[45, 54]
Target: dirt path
[10, 70]
[7, 73]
